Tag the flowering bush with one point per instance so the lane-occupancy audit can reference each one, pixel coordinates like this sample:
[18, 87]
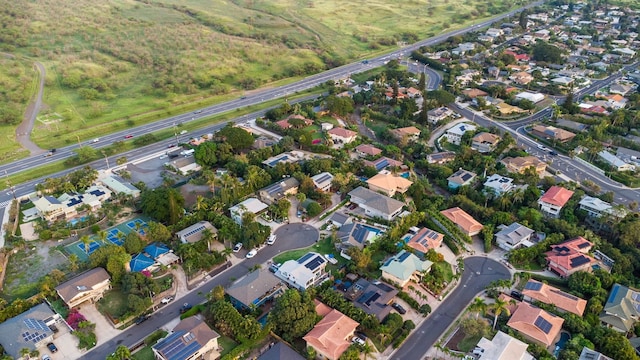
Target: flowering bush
[75, 318]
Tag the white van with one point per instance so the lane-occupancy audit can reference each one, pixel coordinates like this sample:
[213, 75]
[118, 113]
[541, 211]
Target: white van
[187, 152]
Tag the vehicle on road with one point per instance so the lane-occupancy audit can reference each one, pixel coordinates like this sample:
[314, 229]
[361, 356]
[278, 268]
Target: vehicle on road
[46, 357]
[299, 213]
[242, 97]
[237, 247]
[553, 153]
[183, 132]
[187, 152]
[129, 136]
[197, 111]
[52, 347]
[171, 145]
[163, 156]
[167, 300]
[399, 308]
[271, 240]
[141, 319]
[185, 307]
[252, 253]
[542, 147]
[48, 154]
[95, 140]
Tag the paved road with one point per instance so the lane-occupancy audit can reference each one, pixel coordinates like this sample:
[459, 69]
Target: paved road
[478, 273]
[291, 236]
[23, 131]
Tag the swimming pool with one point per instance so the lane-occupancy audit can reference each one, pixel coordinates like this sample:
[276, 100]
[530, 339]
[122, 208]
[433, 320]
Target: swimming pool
[564, 337]
[405, 175]
[75, 221]
[372, 229]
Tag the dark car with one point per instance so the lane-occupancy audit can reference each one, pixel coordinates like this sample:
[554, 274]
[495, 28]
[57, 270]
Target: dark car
[553, 153]
[52, 347]
[185, 307]
[141, 319]
[516, 295]
[399, 308]
[197, 111]
[53, 150]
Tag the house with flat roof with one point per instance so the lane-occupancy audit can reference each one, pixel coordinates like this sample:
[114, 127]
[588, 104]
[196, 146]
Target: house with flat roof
[355, 234]
[341, 136]
[251, 205]
[375, 204]
[30, 330]
[538, 291]
[463, 221]
[404, 267]
[373, 297]
[322, 181]
[410, 133]
[307, 271]
[535, 324]
[503, 347]
[195, 232]
[388, 183]
[331, 337]
[254, 289]
[118, 185]
[485, 142]
[88, 286]
[278, 190]
[192, 338]
[521, 164]
[424, 240]
[570, 256]
[514, 236]
[454, 134]
[498, 184]
[552, 133]
[552, 201]
[434, 116]
[622, 309]
[441, 157]
[615, 162]
[588, 354]
[364, 150]
[460, 178]
[280, 351]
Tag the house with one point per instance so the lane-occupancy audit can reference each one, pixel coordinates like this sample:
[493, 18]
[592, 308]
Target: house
[280, 351]
[535, 324]
[251, 205]
[441, 157]
[388, 183]
[436, 115]
[507, 109]
[67, 206]
[424, 240]
[474, 93]
[460, 178]
[570, 256]
[161, 254]
[338, 219]
[322, 181]
[629, 156]
[192, 338]
[588, 354]
[485, 142]
[494, 33]
[537, 291]
[463, 48]
[196, 232]
[50, 208]
[355, 234]
[562, 81]
[596, 207]
[514, 236]
[404, 267]
[88, 286]
[284, 124]
[276, 191]
[464, 221]
[342, 136]
[373, 297]
[622, 309]
[383, 163]
[364, 150]
[410, 133]
[498, 184]
[454, 134]
[118, 185]
[552, 201]
[615, 162]
[521, 77]
[375, 204]
[620, 89]
[533, 97]
[254, 289]
[331, 336]
[307, 271]
[290, 157]
[30, 330]
[141, 262]
[185, 165]
[521, 164]
[503, 347]
[552, 133]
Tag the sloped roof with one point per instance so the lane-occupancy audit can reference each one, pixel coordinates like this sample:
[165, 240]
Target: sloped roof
[26, 330]
[280, 351]
[342, 132]
[554, 296]
[461, 177]
[515, 232]
[622, 306]
[140, 262]
[425, 239]
[486, 137]
[189, 336]
[368, 149]
[389, 181]
[81, 283]
[156, 249]
[462, 219]
[503, 347]
[557, 196]
[252, 286]
[522, 161]
[536, 323]
[330, 335]
[377, 201]
[404, 264]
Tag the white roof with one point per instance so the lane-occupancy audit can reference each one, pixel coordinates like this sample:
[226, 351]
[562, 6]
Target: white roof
[460, 129]
[251, 204]
[499, 183]
[611, 159]
[595, 203]
[503, 347]
[533, 97]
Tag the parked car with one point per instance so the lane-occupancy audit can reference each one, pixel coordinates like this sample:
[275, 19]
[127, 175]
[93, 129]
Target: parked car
[361, 335]
[52, 347]
[237, 247]
[167, 300]
[274, 267]
[358, 341]
[399, 308]
[271, 240]
[252, 253]
[516, 295]
[46, 357]
[185, 307]
[141, 319]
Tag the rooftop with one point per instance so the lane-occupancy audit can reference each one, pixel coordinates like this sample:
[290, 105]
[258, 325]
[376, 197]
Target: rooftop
[81, 283]
[461, 177]
[557, 196]
[550, 295]
[377, 201]
[462, 219]
[536, 323]
[404, 264]
[330, 335]
[253, 285]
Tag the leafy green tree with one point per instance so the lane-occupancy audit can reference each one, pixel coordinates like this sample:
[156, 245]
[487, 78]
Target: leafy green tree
[543, 51]
[113, 258]
[238, 138]
[523, 20]
[313, 209]
[157, 232]
[441, 97]
[206, 154]
[122, 353]
[164, 204]
[293, 314]
[341, 106]
[133, 244]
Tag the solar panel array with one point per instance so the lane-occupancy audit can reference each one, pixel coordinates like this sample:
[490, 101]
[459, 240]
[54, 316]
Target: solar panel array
[543, 324]
[382, 164]
[35, 324]
[313, 264]
[96, 192]
[580, 260]
[174, 348]
[466, 176]
[323, 178]
[34, 337]
[583, 245]
[532, 285]
[306, 257]
[194, 231]
[562, 293]
[404, 256]
[369, 298]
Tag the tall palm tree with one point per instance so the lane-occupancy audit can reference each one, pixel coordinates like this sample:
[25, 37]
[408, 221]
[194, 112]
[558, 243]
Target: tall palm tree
[86, 240]
[479, 306]
[498, 308]
[201, 203]
[102, 235]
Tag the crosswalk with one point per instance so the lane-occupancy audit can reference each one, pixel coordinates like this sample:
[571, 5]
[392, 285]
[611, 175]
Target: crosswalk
[5, 203]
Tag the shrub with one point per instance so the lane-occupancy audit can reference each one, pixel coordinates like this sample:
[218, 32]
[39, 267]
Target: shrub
[75, 318]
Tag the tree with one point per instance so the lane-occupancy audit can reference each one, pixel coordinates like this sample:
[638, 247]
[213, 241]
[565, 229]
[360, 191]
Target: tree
[113, 258]
[238, 138]
[499, 307]
[86, 241]
[157, 232]
[479, 306]
[293, 314]
[85, 154]
[206, 154]
[360, 257]
[164, 204]
[341, 106]
[313, 209]
[441, 97]
[133, 244]
[543, 51]
[422, 82]
[122, 353]
[523, 19]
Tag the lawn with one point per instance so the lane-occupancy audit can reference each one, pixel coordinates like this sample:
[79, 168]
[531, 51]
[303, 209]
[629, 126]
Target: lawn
[322, 247]
[113, 303]
[315, 132]
[227, 344]
[146, 353]
[446, 269]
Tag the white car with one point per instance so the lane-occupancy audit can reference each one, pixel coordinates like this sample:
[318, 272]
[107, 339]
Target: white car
[271, 240]
[162, 157]
[167, 300]
[358, 341]
[96, 140]
[252, 253]
[237, 247]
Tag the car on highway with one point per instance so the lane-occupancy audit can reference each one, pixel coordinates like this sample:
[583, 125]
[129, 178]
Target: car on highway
[197, 111]
[128, 136]
[553, 153]
[252, 253]
[271, 240]
[171, 145]
[52, 347]
[183, 132]
[237, 247]
[163, 156]
[48, 154]
[542, 147]
[185, 307]
[401, 310]
[95, 140]
[167, 300]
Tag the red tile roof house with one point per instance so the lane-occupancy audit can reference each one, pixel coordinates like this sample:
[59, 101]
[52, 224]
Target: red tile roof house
[553, 200]
[342, 135]
[285, 123]
[331, 336]
[537, 291]
[364, 150]
[463, 220]
[570, 256]
[536, 324]
[424, 240]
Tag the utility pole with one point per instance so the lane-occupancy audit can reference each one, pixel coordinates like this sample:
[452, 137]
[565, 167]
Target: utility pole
[106, 158]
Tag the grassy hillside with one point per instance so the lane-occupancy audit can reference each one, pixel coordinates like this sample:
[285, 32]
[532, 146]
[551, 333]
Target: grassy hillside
[113, 64]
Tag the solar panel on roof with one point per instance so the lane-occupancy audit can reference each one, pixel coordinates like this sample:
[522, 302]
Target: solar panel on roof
[562, 248]
[36, 324]
[306, 257]
[404, 256]
[97, 192]
[323, 178]
[580, 260]
[583, 245]
[466, 176]
[373, 297]
[543, 324]
[313, 264]
[382, 164]
[432, 235]
[562, 293]
[384, 287]
[531, 285]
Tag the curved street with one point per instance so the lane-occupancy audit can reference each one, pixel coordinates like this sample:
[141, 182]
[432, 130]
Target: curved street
[479, 271]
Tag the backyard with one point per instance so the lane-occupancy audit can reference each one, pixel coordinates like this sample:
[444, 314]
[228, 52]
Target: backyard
[324, 246]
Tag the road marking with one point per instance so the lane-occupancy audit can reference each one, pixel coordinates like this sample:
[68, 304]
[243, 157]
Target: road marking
[5, 203]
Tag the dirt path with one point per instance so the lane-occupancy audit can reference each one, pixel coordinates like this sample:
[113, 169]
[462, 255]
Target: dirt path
[23, 131]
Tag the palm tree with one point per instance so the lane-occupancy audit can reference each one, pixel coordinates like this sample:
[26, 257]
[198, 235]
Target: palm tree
[201, 203]
[86, 240]
[73, 262]
[366, 349]
[122, 352]
[102, 235]
[499, 307]
[479, 306]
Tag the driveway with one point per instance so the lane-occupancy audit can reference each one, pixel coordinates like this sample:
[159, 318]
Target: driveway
[478, 273]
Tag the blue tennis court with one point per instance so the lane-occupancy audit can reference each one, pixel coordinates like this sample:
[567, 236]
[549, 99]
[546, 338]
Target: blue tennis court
[137, 223]
[116, 236]
[93, 246]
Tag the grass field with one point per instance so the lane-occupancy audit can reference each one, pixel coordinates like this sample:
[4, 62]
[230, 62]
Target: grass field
[120, 63]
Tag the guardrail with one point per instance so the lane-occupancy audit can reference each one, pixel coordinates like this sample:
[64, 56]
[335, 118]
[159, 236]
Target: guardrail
[589, 165]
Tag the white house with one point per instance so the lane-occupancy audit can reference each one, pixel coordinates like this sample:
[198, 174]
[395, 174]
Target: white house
[439, 114]
[533, 97]
[375, 204]
[323, 181]
[514, 236]
[597, 208]
[454, 134]
[615, 161]
[342, 136]
[499, 184]
[251, 205]
[307, 271]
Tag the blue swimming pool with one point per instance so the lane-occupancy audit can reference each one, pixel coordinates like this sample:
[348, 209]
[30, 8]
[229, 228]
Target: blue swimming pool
[73, 222]
[372, 229]
[564, 337]
[405, 175]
